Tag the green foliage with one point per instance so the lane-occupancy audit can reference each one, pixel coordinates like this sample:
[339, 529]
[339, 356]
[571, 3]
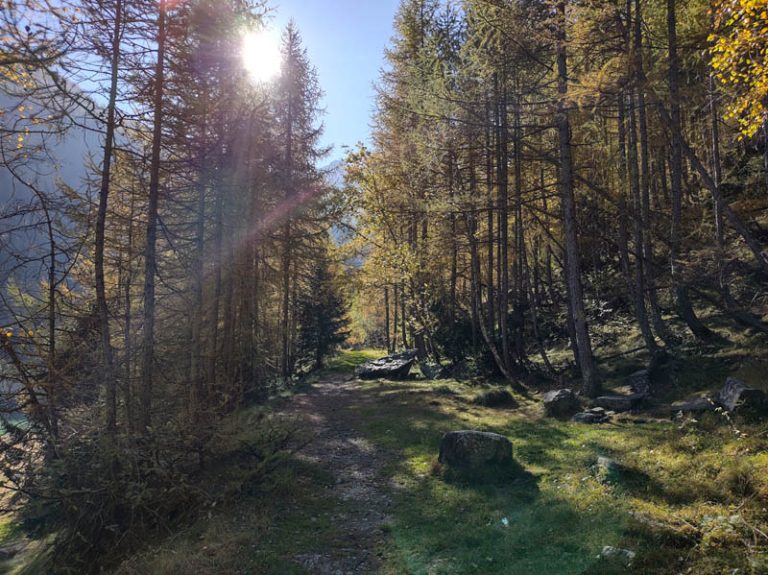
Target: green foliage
[322, 315]
[96, 507]
[259, 533]
[347, 360]
[500, 397]
[453, 331]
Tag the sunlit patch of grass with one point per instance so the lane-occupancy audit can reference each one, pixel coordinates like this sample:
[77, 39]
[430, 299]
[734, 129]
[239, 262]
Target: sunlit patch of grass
[8, 529]
[347, 360]
[677, 477]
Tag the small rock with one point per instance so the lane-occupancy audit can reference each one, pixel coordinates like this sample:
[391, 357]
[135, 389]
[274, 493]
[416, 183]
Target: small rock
[626, 556]
[737, 395]
[474, 448]
[560, 403]
[431, 371]
[607, 470]
[694, 405]
[591, 417]
[620, 402]
[496, 398]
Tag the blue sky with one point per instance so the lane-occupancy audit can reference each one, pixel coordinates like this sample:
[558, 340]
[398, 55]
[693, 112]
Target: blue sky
[345, 41]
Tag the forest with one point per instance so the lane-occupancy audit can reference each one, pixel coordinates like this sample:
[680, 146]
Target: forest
[523, 328]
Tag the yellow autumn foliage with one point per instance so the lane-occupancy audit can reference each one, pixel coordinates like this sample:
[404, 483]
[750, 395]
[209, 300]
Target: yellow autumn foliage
[740, 58]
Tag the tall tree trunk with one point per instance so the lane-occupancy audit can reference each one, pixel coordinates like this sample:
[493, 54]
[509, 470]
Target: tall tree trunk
[521, 267]
[218, 250]
[198, 279]
[229, 308]
[490, 292]
[475, 280]
[639, 283]
[717, 166]
[649, 256]
[50, 388]
[454, 240]
[286, 303]
[647, 251]
[684, 307]
[403, 318]
[583, 343]
[396, 316]
[108, 373]
[150, 254]
[623, 237]
[498, 360]
[287, 254]
[128, 321]
[502, 156]
[387, 340]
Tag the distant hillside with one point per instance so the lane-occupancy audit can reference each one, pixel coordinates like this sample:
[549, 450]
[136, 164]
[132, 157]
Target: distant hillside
[31, 179]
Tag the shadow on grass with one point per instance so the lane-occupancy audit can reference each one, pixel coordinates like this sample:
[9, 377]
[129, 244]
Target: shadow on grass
[545, 514]
[510, 481]
[494, 521]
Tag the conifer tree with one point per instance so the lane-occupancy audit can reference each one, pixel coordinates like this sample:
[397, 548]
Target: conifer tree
[322, 314]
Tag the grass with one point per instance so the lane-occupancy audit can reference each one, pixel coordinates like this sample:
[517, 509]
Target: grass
[685, 482]
[347, 360]
[262, 532]
[261, 526]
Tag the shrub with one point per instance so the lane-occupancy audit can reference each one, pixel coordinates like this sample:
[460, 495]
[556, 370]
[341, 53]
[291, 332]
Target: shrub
[496, 398]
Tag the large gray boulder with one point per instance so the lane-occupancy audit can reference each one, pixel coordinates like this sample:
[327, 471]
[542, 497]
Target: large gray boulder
[472, 449]
[396, 366]
[737, 395]
[560, 403]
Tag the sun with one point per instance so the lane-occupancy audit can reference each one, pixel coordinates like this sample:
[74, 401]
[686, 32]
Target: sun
[261, 56]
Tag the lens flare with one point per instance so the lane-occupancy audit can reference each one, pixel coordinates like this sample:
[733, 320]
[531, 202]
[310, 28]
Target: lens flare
[261, 56]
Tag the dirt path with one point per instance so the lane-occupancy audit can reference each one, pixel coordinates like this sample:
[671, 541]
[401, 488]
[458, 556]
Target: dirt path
[357, 469]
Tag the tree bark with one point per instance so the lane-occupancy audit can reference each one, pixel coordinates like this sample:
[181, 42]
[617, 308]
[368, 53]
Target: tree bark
[502, 175]
[386, 320]
[108, 372]
[639, 283]
[583, 343]
[150, 254]
[684, 307]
